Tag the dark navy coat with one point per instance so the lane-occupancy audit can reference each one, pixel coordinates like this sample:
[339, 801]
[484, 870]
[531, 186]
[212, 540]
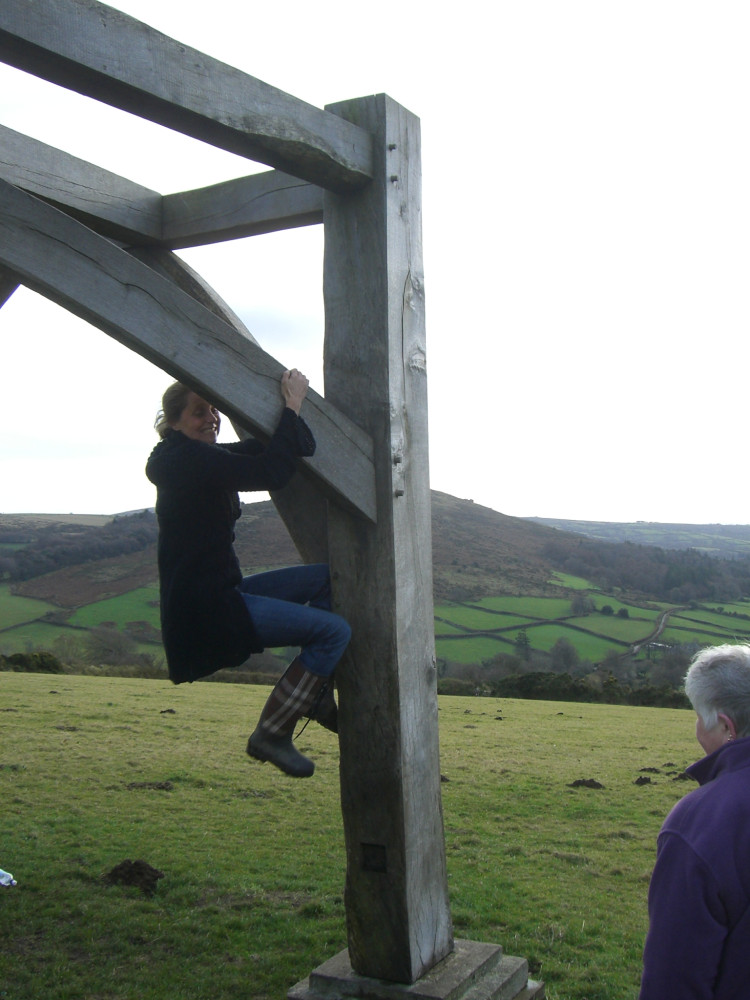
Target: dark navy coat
[205, 622]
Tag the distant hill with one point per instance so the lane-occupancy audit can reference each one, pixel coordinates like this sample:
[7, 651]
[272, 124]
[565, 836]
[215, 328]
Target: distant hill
[514, 598]
[727, 541]
[69, 561]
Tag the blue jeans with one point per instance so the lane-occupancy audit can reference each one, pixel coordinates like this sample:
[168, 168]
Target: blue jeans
[292, 607]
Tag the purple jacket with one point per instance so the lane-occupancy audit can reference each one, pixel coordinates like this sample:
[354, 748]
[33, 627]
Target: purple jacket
[698, 944]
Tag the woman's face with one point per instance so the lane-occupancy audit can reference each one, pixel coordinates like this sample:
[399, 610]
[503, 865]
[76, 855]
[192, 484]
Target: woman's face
[198, 420]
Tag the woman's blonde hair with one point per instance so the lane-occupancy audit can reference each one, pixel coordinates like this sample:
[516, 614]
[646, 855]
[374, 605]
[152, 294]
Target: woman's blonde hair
[173, 402]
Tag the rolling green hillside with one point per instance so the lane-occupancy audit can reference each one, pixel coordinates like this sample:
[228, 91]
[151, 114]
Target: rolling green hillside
[509, 592]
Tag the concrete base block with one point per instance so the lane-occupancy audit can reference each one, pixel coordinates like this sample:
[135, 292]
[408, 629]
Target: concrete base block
[474, 970]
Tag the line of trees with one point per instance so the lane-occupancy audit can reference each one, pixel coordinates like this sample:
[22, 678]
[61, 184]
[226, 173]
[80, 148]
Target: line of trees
[676, 575]
[549, 686]
[563, 687]
[562, 675]
[57, 546]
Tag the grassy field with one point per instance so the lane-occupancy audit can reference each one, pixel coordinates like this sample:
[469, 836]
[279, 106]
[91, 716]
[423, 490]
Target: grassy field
[137, 605]
[16, 609]
[529, 607]
[594, 635]
[465, 632]
[94, 771]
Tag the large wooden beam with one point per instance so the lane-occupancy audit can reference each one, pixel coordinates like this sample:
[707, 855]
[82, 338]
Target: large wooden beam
[175, 270]
[102, 53]
[106, 202]
[248, 206]
[114, 206]
[90, 276]
[398, 917]
[301, 505]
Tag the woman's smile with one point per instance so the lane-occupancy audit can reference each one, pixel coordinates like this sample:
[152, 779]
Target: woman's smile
[199, 420]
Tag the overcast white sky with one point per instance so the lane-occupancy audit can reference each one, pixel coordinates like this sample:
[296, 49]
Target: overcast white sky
[586, 218]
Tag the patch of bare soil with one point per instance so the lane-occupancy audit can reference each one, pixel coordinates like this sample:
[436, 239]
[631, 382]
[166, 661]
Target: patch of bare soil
[139, 874]
[94, 581]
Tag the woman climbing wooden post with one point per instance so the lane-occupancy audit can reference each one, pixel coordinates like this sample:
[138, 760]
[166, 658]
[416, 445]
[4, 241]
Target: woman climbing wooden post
[211, 616]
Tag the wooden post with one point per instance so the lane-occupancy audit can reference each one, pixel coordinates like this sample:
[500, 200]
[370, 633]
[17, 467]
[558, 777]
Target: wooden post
[398, 916]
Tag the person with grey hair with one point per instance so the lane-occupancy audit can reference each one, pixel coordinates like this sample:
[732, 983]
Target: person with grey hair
[698, 943]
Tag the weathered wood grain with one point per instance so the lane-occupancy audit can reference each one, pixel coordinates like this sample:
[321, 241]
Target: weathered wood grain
[398, 917]
[116, 207]
[304, 510]
[187, 279]
[87, 274]
[301, 504]
[105, 54]
[247, 206]
[108, 203]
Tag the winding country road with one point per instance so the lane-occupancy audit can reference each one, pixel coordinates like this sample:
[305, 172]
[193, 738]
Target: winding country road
[661, 625]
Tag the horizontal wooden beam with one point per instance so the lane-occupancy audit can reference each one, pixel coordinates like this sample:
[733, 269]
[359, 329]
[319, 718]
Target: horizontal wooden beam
[116, 207]
[102, 53]
[247, 206]
[106, 202]
[93, 278]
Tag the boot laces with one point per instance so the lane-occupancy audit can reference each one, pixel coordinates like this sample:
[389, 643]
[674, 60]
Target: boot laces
[313, 709]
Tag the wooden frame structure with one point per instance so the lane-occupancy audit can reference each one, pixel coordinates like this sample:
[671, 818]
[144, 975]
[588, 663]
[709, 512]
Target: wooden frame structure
[101, 246]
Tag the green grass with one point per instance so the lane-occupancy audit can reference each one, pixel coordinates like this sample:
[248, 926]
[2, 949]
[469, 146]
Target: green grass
[93, 771]
[736, 629]
[493, 613]
[489, 614]
[31, 636]
[477, 619]
[444, 628]
[137, 605]
[650, 614]
[243, 876]
[694, 634]
[472, 649]
[741, 607]
[589, 647]
[529, 607]
[541, 637]
[625, 629]
[575, 860]
[16, 609]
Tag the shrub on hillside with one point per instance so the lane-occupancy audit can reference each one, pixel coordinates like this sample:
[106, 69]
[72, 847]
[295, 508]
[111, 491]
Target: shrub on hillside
[32, 663]
[548, 686]
[543, 685]
[454, 685]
